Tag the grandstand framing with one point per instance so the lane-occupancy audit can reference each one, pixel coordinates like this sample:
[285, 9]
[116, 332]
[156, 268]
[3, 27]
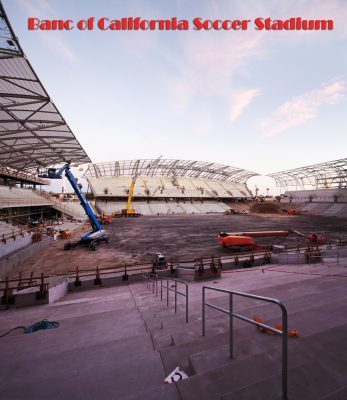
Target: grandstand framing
[169, 167]
[33, 133]
[20, 176]
[331, 174]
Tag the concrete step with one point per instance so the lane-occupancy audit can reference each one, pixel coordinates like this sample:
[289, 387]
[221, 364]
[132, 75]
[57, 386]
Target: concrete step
[173, 329]
[174, 355]
[309, 381]
[211, 385]
[265, 310]
[69, 307]
[301, 291]
[76, 332]
[249, 341]
[162, 392]
[301, 297]
[105, 371]
[340, 394]
[183, 333]
[322, 348]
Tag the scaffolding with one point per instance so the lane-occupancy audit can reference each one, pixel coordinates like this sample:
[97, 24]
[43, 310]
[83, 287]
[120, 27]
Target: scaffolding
[327, 175]
[169, 167]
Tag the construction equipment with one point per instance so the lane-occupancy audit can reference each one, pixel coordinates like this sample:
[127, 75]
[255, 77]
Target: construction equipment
[292, 211]
[97, 234]
[246, 239]
[128, 211]
[65, 234]
[159, 260]
[105, 219]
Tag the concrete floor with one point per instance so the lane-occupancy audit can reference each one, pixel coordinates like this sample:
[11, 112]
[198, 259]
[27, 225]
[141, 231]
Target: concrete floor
[121, 342]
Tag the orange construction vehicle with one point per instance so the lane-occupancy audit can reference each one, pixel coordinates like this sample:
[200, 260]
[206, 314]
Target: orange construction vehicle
[246, 239]
[293, 211]
[105, 219]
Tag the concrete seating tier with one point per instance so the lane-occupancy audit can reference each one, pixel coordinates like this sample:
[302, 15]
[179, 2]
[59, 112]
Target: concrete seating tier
[155, 207]
[122, 342]
[16, 197]
[316, 196]
[167, 187]
[7, 229]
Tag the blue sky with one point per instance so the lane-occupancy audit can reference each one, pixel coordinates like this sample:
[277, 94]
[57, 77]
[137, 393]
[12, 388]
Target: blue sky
[260, 100]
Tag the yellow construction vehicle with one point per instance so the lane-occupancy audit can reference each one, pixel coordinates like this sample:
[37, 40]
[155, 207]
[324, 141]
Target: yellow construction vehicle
[128, 211]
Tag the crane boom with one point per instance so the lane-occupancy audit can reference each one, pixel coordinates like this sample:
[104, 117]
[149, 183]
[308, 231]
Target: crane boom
[131, 192]
[97, 233]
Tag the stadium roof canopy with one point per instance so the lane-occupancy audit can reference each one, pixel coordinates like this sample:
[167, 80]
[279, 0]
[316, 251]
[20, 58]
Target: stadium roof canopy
[331, 174]
[164, 167]
[32, 131]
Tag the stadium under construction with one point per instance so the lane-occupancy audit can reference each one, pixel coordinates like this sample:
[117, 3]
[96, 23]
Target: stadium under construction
[160, 306]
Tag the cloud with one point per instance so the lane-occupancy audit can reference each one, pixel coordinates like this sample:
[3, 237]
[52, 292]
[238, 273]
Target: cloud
[240, 100]
[208, 66]
[53, 40]
[301, 109]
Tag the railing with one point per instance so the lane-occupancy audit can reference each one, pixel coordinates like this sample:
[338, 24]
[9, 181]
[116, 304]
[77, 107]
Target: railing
[26, 176]
[62, 206]
[326, 254]
[9, 286]
[12, 202]
[230, 312]
[13, 235]
[102, 272]
[151, 281]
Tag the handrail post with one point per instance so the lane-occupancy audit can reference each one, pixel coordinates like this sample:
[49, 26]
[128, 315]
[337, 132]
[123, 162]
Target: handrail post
[186, 303]
[161, 289]
[19, 281]
[203, 311]
[167, 293]
[77, 280]
[125, 277]
[231, 326]
[31, 277]
[231, 314]
[284, 352]
[42, 287]
[175, 297]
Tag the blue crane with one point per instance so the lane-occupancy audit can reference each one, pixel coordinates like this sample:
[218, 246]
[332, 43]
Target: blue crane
[97, 234]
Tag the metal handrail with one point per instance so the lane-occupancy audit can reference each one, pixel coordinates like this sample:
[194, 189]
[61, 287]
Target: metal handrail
[283, 333]
[168, 289]
[151, 281]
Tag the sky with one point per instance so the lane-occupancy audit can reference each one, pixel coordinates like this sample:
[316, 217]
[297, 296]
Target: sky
[265, 101]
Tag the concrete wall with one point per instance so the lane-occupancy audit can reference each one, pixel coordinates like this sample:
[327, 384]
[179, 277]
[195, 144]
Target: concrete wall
[58, 291]
[315, 196]
[9, 264]
[15, 244]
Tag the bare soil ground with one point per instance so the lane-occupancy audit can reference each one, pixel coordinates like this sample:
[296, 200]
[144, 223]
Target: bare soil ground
[185, 237]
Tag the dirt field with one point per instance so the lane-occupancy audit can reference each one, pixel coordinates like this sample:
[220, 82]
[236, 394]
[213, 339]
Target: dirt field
[134, 240]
